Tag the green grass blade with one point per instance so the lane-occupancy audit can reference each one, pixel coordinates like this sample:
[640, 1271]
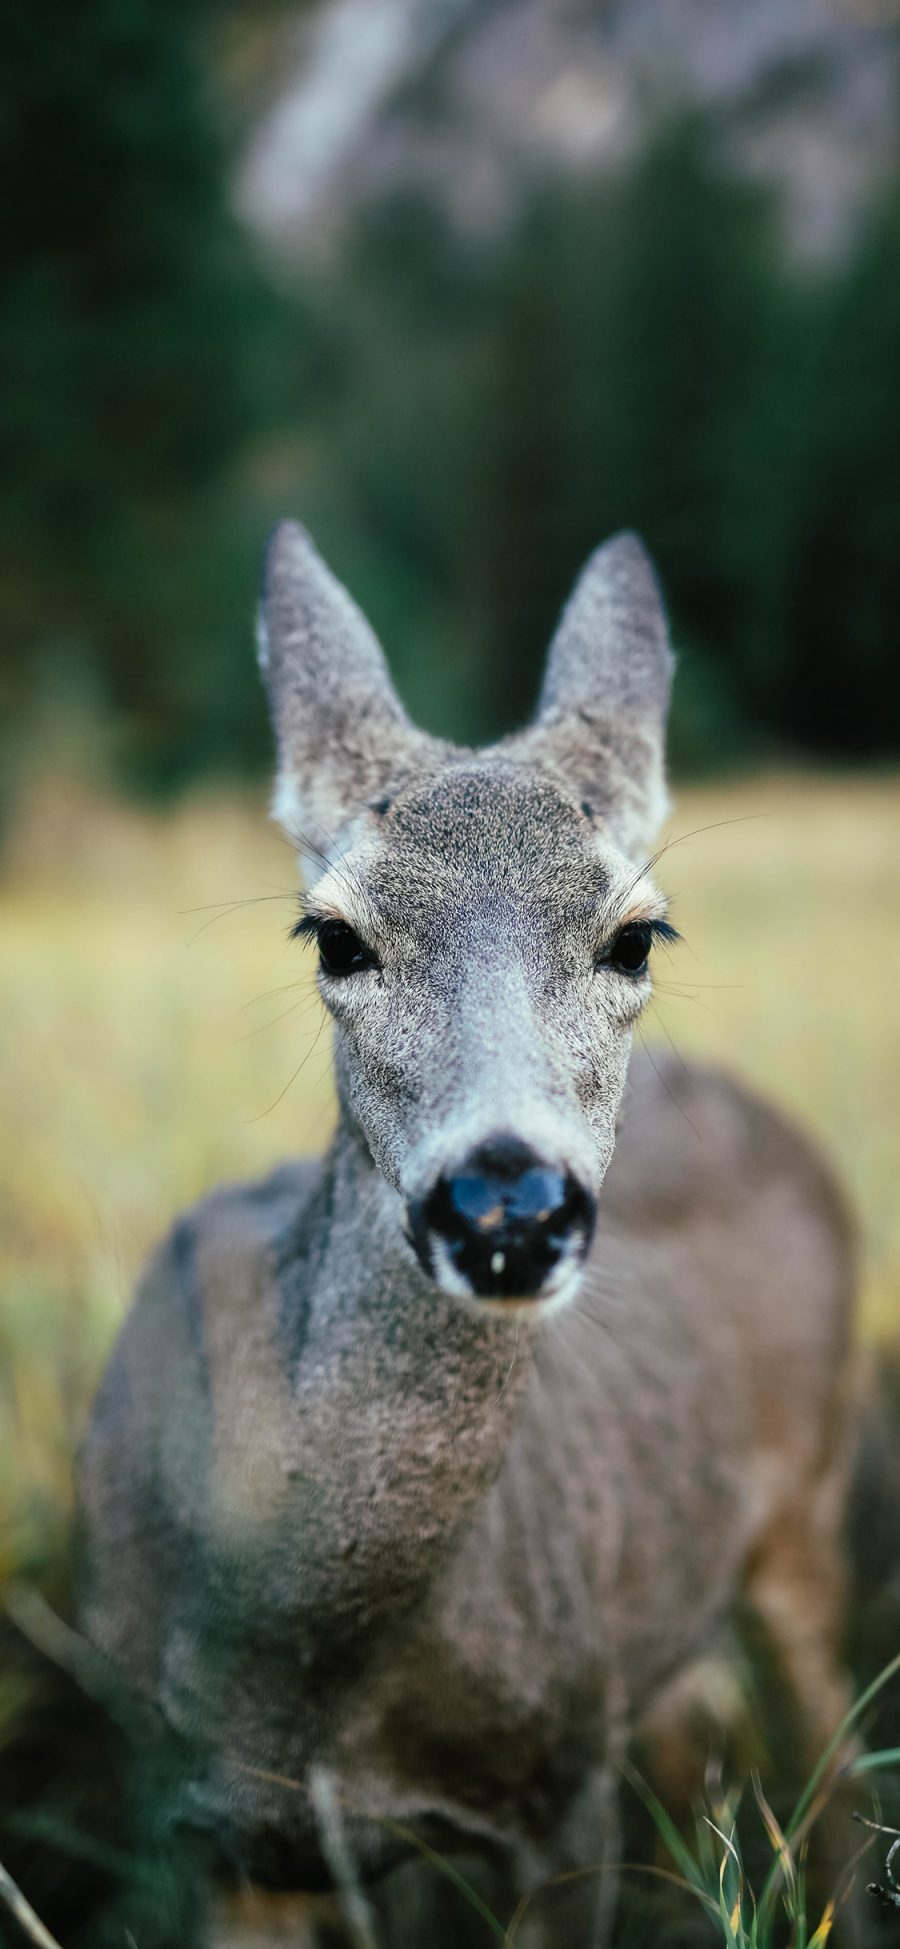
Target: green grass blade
[873, 1762]
[816, 1777]
[667, 1829]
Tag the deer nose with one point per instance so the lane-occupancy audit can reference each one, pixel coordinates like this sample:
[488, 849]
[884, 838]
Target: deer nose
[505, 1221]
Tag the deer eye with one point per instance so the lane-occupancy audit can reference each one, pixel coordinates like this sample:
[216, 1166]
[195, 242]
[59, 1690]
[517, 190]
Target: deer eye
[629, 951]
[341, 951]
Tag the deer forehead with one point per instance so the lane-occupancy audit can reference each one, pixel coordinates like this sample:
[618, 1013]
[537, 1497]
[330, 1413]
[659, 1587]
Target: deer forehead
[481, 835]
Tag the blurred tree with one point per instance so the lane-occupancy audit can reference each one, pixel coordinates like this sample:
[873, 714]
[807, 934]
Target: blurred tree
[140, 347]
[459, 417]
[640, 353]
[618, 372]
[834, 609]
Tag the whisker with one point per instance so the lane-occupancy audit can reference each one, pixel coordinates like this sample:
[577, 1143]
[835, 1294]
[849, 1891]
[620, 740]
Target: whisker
[720, 987]
[669, 1093]
[326, 855]
[241, 900]
[300, 843]
[675, 1051]
[680, 839]
[512, 1363]
[297, 843]
[328, 860]
[607, 1329]
[223, 909]
[676, 995]
[294, 1008]
[268, 994]
[291, 1079]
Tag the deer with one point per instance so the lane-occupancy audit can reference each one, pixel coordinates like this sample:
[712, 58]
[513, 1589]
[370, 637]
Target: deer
[421, 1470]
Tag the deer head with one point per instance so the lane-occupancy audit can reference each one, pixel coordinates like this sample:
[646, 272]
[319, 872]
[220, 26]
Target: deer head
[484, 920]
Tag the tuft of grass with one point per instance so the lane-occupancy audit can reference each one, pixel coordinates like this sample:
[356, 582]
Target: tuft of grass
[711, 1867]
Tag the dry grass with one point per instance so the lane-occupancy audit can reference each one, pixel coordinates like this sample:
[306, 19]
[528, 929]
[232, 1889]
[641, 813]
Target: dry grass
[145, 1055]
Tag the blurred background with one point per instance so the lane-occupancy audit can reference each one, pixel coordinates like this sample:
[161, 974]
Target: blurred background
[466, 285]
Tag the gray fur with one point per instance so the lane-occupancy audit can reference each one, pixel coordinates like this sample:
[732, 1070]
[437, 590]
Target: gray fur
[602, 709]
[343, 1520]
[335, 713]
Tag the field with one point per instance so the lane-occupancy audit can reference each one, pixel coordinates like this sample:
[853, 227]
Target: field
[161, 1033]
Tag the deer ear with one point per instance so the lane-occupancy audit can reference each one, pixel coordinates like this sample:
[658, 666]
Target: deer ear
[602, 710]
[339, 724]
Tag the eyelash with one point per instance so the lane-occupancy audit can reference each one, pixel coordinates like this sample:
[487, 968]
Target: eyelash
[640, 934]
[342, 952]
[306, 928]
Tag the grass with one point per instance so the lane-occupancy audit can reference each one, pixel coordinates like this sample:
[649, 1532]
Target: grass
[711, 1867]
[161, 1033]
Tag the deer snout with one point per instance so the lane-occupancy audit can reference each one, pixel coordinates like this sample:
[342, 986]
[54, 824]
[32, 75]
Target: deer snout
[504, 1225]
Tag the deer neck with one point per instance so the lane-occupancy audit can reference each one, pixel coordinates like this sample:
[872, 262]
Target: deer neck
[385, 1410]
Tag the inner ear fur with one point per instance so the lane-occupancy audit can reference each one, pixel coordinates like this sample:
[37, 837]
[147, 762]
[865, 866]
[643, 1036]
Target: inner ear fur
[602, 710]
[340, 728]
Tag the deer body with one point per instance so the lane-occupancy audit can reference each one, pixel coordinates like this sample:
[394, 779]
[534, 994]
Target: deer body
[405, 1477]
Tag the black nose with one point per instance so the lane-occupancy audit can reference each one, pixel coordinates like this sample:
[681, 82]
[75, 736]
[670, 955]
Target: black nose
[505, 1220]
